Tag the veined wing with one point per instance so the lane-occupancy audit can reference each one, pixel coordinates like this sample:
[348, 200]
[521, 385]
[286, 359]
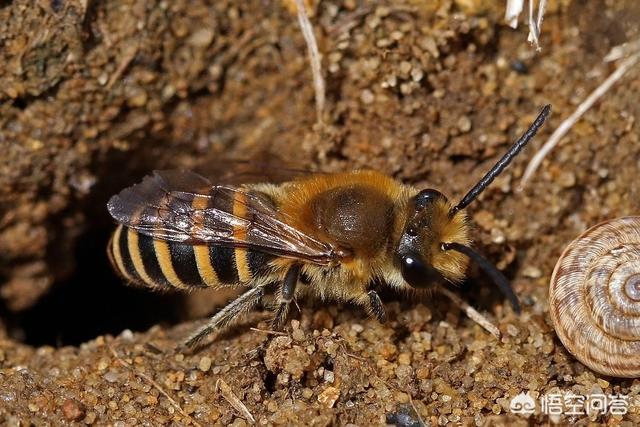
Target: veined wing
[185, 207]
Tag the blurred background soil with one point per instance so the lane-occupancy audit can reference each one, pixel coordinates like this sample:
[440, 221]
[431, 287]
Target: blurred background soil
[94, 95]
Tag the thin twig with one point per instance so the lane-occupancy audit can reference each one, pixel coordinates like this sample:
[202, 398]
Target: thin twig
[471, 312]
[413, 405]
[314, 58]
[513, 10]
[542, 8]
[622, 50]
[533, 28]
[566, 125]
[227, 393]
[353, 356]
[130, 53]
[155, 385]
[268, 331]
[348, 22]
[536, 26]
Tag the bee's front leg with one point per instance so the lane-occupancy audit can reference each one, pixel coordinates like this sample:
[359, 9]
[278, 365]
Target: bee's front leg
[375, 307]
[372, 302]
[285, 296]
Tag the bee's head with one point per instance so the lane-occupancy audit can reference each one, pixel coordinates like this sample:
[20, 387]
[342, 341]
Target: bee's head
[435, 244]
[429, 224]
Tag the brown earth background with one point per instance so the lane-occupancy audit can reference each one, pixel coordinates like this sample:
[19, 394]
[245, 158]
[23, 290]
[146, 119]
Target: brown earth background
[94, 95]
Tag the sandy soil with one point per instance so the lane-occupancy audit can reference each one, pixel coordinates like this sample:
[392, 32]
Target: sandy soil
[93, 96]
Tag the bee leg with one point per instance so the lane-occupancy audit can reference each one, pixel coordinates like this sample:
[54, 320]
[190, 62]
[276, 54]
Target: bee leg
[226, 316]
[287, 292]
[375, 306]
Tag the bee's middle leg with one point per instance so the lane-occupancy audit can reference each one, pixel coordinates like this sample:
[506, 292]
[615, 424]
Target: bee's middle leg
[285, 296]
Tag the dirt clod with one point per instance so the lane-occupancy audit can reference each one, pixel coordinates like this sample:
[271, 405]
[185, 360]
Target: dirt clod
[73, 410]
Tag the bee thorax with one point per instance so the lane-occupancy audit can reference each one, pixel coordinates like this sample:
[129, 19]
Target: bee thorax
[355, 218]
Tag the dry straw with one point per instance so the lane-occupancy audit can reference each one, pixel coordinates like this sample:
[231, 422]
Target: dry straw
[314, 58]
[631, 49]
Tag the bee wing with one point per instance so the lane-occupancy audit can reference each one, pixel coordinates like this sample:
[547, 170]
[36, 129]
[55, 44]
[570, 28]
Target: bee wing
[183, 206]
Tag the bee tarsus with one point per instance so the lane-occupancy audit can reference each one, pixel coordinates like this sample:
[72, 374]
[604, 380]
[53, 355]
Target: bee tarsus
[376, 308]
[228, 315]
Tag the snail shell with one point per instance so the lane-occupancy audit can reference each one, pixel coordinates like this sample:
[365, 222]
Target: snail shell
[594, 297]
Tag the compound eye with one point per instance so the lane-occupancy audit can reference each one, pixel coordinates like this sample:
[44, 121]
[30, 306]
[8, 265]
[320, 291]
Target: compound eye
[427, 196]
[417, 273]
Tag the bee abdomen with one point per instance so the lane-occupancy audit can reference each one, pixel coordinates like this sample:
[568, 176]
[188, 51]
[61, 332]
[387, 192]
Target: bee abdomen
[156, 263]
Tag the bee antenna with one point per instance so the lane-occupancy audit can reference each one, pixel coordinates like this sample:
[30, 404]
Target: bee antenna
[497, 277]
[503, 162]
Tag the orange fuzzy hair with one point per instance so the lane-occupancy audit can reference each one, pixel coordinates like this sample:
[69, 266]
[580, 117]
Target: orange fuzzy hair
[296, 204]
[452, 265]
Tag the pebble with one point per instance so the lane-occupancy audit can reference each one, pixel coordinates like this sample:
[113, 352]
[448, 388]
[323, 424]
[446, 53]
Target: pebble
[201, 37]
[298, 335]
[417, 74]
[367, 97]
[126, 335]
[137, 98]
[328, 376]
[90, 418]
[103, 363]
[497, 236]
[103, 79]
[329, 396]
[404, 359]
[111, 376]
[423, 373]
[464, 124]
[429, 44]
[73, 410]
[567, 179]
[532, 272]
[405, 68]
[205, 364]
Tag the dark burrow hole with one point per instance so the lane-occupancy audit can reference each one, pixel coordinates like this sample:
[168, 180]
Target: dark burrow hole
[270, 380]
[92, 302]
[95, 301]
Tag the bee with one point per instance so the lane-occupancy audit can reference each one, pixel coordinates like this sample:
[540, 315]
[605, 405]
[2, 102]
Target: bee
[338, 236]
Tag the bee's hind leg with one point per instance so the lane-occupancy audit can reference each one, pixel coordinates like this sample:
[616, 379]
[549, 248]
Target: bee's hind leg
[227, 315]
[285, 296]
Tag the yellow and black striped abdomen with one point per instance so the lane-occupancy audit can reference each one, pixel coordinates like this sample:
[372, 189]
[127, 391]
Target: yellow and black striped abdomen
[146, 261]
[152, 259]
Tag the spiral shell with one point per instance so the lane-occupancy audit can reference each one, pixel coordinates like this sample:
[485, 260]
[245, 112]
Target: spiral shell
[594, 297]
